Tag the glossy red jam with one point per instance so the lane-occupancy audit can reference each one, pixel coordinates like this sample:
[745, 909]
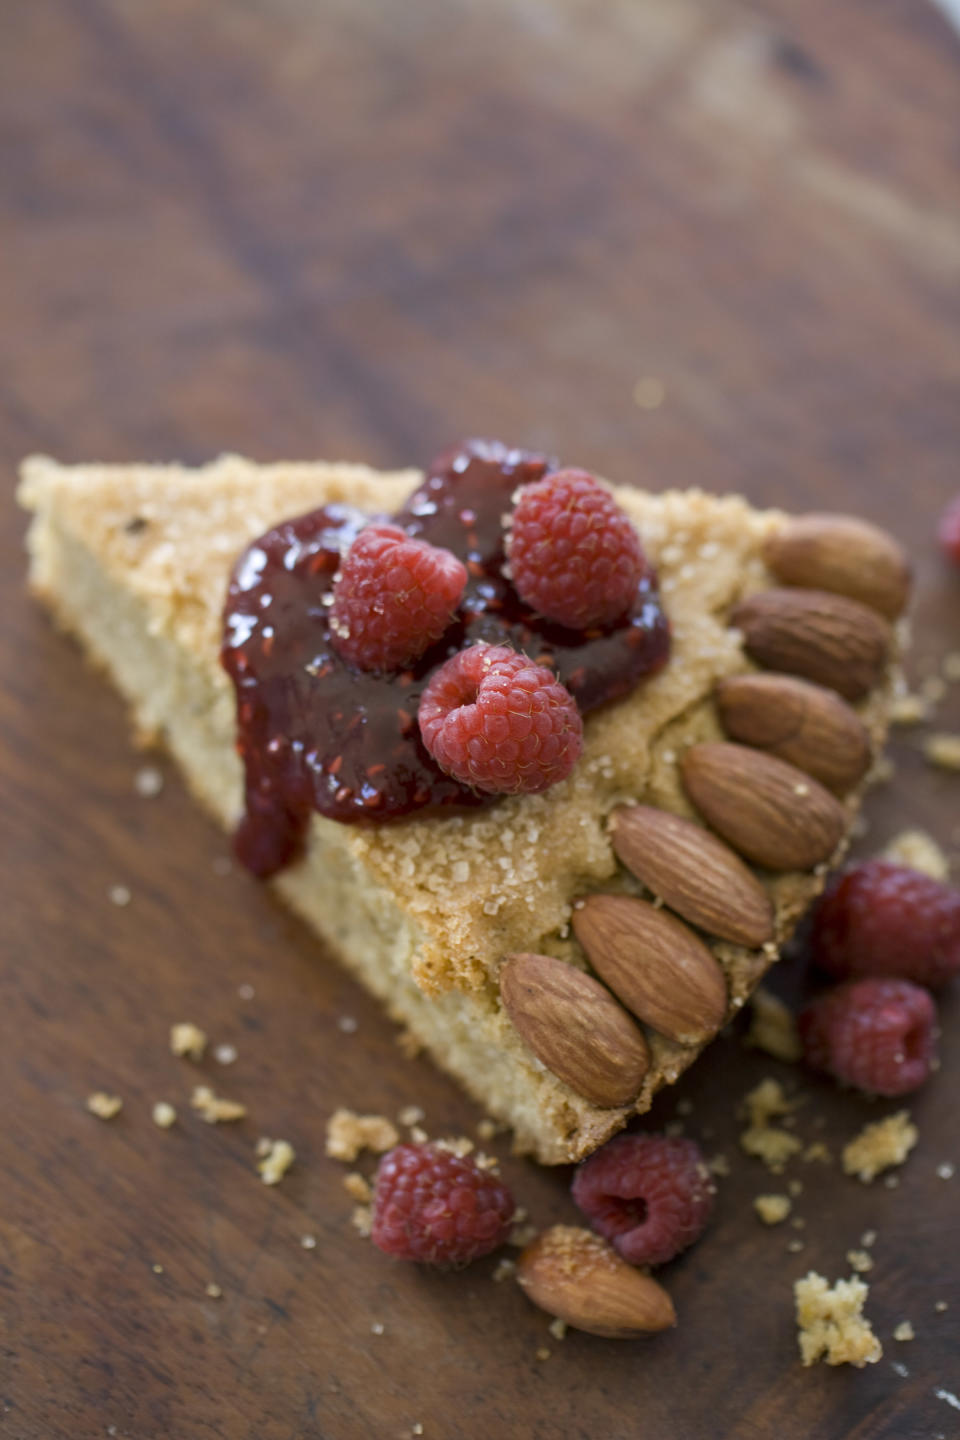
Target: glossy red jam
[316, 734]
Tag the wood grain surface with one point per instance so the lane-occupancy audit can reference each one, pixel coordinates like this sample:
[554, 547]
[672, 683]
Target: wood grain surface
[351, 228]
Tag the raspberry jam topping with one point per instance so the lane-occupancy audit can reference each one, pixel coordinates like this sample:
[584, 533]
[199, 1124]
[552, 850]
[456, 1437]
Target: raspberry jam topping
[316, 733]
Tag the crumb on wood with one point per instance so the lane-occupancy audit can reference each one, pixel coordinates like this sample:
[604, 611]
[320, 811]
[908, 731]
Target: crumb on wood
[358, 1187]
[558, 1328]
[918, 851]
[950, 667]
[831, 1324]
[459, 1145]
[188, 1040]
[940, 1306]
[104, 1106]
[214, 1109]
[362, 1220]
[409, 1045]
[349, 1133]
[504, 1270]
[347, 1025]
[719, 1165]
[148, 781]
[214, 1290]
[418, 1135]
[794, 1188]
[943, 751]
[225, 1054]
[904, 1331]
[817, 1151]
[860, 1261]
[879, 1146]
[946, 1170]
[868, 1239]
[908, 708]
[163, 1114]
[543, 1353]
[772, 1027]
[308, 1242]
[486, 1130]
[772, 1209]
[120, 896]
[410, 1115]
[277, 1161]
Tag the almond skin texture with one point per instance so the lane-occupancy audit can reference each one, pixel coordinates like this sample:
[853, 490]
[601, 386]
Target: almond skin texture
[655, 964]
[770, 811]
[694, 873]
[576, 1027]
[573, 1274]
[807, 725]
[821, 637]
[845, 555]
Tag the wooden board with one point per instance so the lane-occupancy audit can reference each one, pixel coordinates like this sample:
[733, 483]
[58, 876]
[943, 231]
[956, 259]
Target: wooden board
[361, 229]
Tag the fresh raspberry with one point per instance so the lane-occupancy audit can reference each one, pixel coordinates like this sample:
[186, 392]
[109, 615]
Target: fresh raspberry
[574, 555]
[428, 1205]
[649, 1195]
[493, 719]
[874, 1034]
[881, 918]
[392, 598]
[950, 530]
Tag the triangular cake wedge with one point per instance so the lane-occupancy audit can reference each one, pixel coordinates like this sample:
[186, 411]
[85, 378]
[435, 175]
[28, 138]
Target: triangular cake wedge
[135, 561]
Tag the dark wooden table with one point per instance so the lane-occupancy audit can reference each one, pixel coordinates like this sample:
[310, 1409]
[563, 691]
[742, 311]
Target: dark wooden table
[359, 229]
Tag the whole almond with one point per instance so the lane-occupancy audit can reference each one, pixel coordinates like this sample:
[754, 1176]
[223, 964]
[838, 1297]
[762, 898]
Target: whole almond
[806, 724]
[845, 555]
[573, 1274]
[694, 873]
[575, 1027]
[770, 811]
[825, 638]
[655, 964]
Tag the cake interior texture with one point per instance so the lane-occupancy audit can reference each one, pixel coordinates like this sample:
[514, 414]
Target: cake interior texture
[134, 560]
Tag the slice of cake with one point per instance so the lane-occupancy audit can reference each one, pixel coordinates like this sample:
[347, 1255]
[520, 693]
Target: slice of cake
[566, 953]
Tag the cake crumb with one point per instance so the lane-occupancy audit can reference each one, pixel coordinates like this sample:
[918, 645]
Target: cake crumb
[794, 1188]
[486, 1130]
[410, 1115]
[940, 1306]
[952, 1400]
[308, 1242]
[868, 1239]
[770, 1143]
[275, 1164]
[347, 1025]
[362, 1220]
[899, 1369]
[918, 851]
[558, 1328]
[163, 1114]
[795, 1246]
[908, 709]
[213, 1290]
[719, 1165]
[950, 667]
[225, 1054]
[148, 781]
[104, 1106]
[213, 1108]
[882, 771]
[504, 1270]
[157, 1269]
[408, 1044]
[246, 992]
[879, 1146]
[860, 1261]
[459, 1145]
[946, 1171]
[772, 1209]
[188, 1040]
[943, 751]
[904, 1331]
[543, 1353]
[416, 1428]
[418, 1135]
[377, 1328]
[816, 1150]
[892, 1181]
[358, 1187]
[773, 1028]
[348, 1134]
[831, 1324]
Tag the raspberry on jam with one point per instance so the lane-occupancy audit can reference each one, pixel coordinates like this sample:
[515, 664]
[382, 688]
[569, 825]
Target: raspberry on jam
[317, 733]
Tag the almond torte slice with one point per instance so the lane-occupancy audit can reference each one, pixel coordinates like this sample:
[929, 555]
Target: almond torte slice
[564, 953]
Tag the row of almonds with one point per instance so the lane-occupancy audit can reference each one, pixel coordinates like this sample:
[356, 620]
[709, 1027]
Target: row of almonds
[769, 794]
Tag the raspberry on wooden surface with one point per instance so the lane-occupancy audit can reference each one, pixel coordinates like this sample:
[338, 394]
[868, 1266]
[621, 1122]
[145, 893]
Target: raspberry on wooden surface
[877, 1035]
[574, 554]
[493, 719]
[881, 918]
[949, 530]
[438, 1208]
[392, 598]
[649, 1195]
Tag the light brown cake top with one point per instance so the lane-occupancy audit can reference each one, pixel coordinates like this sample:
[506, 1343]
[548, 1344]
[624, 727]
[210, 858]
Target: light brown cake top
[487, 882]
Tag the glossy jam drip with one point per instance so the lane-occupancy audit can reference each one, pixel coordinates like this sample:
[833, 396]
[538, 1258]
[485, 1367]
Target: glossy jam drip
[316, 734]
